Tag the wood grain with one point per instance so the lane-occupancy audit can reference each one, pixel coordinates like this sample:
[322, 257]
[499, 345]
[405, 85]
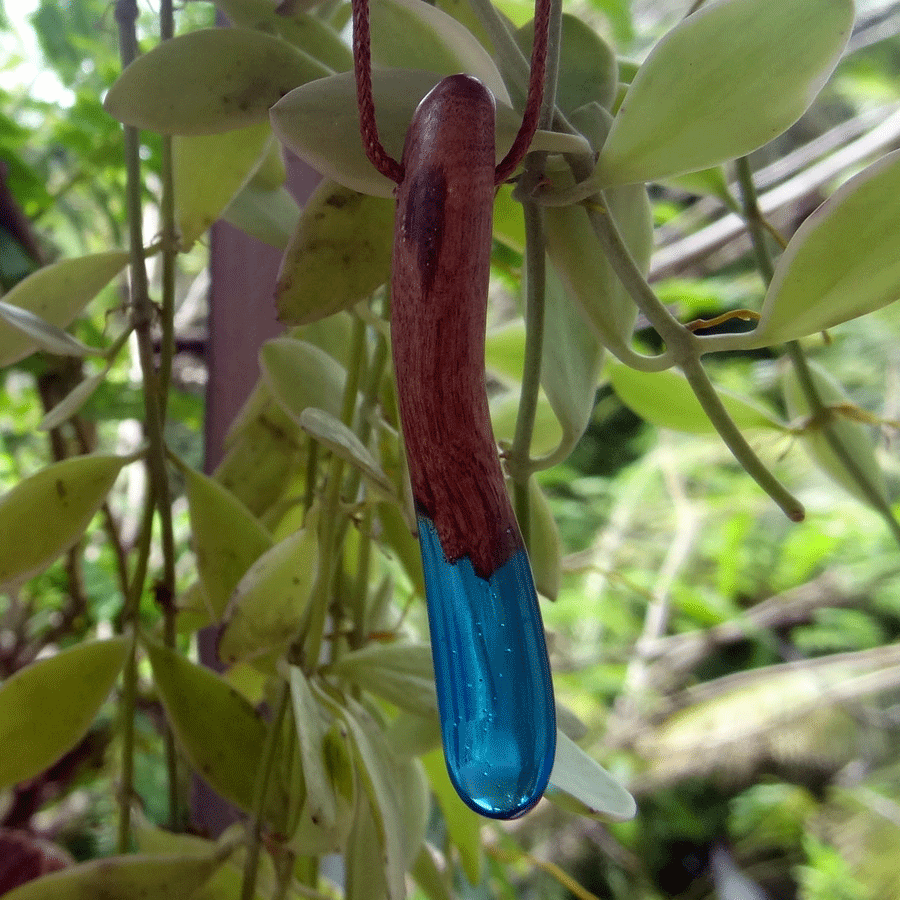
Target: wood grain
[441, 270]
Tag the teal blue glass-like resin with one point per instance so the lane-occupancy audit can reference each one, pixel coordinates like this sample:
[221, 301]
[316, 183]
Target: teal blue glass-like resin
[495, 693]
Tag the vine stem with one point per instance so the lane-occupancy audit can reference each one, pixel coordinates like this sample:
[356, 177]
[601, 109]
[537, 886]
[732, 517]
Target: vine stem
[682, 344]
[821, 414]
[519, 456]
[166, 355]
[331, 515]
[261, 791]
[142, 315]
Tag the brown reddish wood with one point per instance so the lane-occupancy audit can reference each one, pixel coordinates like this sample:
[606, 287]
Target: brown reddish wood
[441, 268]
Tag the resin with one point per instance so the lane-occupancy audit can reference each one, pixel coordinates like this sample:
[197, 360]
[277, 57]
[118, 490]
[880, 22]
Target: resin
[495, 693]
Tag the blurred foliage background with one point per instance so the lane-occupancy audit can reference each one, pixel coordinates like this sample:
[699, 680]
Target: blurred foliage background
[740, 673]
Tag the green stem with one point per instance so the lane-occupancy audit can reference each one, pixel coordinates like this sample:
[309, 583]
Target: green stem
[683, 346]
[535, 292]
[128, 704]
[331, 516]
[518, 458]
[821, 414]
[142, 314]
[166, 355]
[261, 791]
[169, 235]
[754, 218]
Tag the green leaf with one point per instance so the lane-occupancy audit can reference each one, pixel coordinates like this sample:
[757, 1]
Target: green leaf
[47, 707]
[320, 802]
[227, 538]
[209, 81]
[45, 514]
[319, 121]
[581, 785]
[365, 858]
[571, 361]
[409, 34]
[411, 735]
[332, 433]
[463, 825]
[843, 261]
[401, 673]
[509, 225]
[263, 451]
[266, 608]
[666, 400]
[854, 437]
[588, 71]
[73, 401]
[429, 878]
[505, 411]
[301, 375]
[269, 216]
[208, 172]
[504, 350]
[221, 734]
[46, 336]
[308, 32]
[582, 266]
[545, 551]
[57, 294]
[726, 80]
[124, 878]
[338, 255]
[378, 773]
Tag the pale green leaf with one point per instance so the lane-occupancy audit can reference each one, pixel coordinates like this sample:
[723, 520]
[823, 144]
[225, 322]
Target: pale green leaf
[571, 361]
[208, 172]
[429, 878]
[300, 375]
[463, 825]
[545, 544]
[666, 400]
[504, 412]
[379, 774]
[843, 261]
[409, 34]
[267, 606]
[588, 71]
[45, 335]
[338, 255]
[270, 216]
[208, 81]
[57, 294]
[401, 673]
[365, 859]
[727, 79]
[332, 433]
[219, 731]
[45, 514]
[73, 401]
[227, 538]
[47, 707]
[309, 32]
[124, 878]
[584, 271]
[320, 804]
[580, 784]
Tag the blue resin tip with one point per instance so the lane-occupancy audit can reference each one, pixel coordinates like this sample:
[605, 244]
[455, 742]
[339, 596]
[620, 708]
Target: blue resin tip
[495, 693]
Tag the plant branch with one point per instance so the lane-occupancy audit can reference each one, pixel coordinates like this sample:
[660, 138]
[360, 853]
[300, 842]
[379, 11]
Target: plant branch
[821, 414]
[330, 530]
[261, 791]
[142, 314]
